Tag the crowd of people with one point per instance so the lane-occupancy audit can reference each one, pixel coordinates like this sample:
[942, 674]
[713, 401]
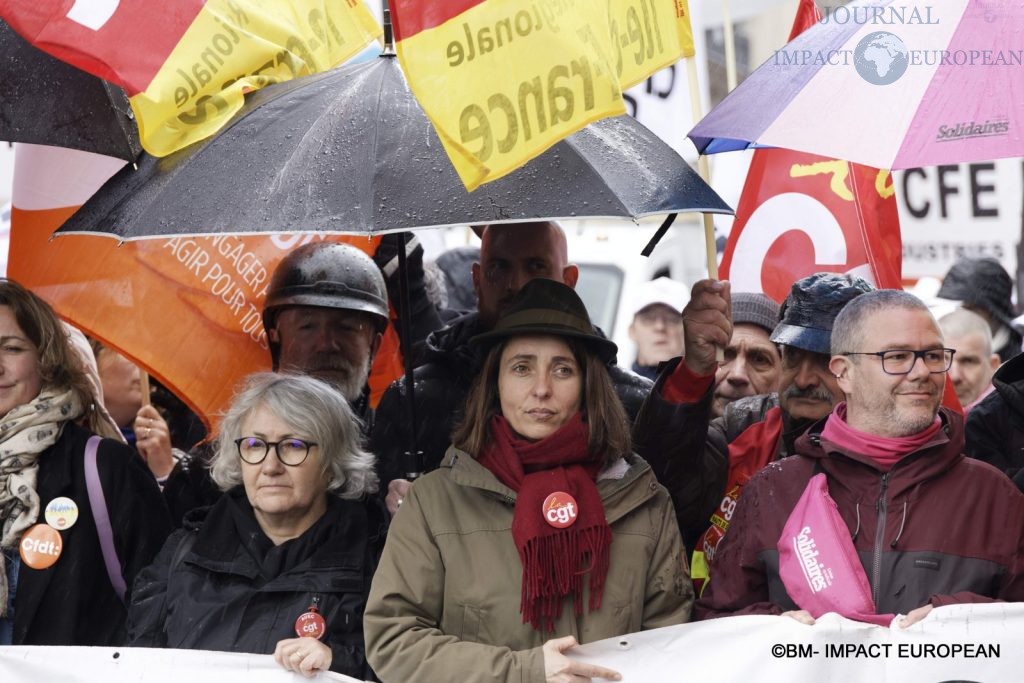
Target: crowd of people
[544, 496]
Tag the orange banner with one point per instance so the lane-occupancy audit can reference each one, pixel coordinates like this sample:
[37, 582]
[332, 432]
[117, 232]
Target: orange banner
[186, 309]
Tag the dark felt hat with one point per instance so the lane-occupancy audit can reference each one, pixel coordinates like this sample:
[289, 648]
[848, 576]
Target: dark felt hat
[550, 308]
[810, 310]
[981, 282]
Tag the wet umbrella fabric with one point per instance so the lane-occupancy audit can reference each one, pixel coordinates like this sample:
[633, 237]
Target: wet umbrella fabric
[939, 84]
[350, 151]
[48, 102]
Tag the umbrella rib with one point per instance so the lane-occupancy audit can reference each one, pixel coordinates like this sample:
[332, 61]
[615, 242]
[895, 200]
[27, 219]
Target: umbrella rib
[373, 149]
[107, 88]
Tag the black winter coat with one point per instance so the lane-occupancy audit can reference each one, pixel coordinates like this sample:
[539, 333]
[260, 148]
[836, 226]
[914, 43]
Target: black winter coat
[73, 602]
[441, 385]
[995, 427]
[220, 584]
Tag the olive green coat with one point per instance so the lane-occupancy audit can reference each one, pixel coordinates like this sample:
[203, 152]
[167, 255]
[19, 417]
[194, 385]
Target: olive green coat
[444, 605]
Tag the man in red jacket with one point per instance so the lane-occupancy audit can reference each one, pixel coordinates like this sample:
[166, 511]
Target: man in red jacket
[930, 526]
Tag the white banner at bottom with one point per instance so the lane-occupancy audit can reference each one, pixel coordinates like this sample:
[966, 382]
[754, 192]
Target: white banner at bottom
[983, 642]
[27, 664]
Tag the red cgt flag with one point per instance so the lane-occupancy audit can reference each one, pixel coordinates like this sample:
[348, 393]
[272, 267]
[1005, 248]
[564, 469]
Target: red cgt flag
[801, 214]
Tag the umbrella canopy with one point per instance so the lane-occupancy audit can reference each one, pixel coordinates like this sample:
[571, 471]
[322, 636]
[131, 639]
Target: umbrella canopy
[350, 151]
[887, 84]
[48, 102]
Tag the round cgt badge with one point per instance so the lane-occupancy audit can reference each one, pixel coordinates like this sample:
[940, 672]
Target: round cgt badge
[61, 513]
[560, 510]
[310, 624]
[40, 546]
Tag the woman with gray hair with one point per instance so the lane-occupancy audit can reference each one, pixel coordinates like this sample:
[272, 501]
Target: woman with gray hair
[282, 562]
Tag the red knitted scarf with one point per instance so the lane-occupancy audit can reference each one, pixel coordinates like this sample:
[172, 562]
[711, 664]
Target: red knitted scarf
[554, 560]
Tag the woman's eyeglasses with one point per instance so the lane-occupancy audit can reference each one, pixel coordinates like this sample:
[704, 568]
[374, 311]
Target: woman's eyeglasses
[291, 452]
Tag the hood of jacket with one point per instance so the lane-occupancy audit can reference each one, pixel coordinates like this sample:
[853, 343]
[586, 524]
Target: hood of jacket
[450, 345]
[1009, 383]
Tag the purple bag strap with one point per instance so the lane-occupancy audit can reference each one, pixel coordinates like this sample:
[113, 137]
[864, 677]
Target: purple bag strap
[98, 503]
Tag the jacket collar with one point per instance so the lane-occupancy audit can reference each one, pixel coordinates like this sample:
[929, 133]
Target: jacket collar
[942, 452]
[619, 495]
[220, 547]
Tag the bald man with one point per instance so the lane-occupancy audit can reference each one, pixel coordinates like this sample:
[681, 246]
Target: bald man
[510, 255]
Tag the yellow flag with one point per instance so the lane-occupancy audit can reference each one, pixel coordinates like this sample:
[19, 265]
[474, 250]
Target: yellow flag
[648, 35]
[684, 28]
[235, 46]
[503, 80]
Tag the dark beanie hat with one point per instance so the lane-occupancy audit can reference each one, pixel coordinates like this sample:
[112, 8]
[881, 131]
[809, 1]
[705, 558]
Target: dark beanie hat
[754, 308]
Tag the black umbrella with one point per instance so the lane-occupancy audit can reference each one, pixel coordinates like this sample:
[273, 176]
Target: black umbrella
[350, 151]
[48, 102]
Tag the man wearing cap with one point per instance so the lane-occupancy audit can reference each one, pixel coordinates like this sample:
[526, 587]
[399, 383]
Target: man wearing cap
[510, 255]
[752, 431]
[657, 327]
[878, 496]
[751, 362]
[982, 285]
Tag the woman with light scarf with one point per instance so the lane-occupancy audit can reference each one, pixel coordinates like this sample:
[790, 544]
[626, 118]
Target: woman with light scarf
[58, 586]
[540, 530]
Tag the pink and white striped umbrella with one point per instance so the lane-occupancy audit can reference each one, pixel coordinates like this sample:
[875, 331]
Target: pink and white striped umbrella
[889, 84]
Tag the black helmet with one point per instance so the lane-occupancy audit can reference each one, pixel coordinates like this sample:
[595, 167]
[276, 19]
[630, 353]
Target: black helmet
[811, 308]
[327, 275]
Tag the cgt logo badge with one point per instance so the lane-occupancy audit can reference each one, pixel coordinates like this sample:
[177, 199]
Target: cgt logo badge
[560, 510]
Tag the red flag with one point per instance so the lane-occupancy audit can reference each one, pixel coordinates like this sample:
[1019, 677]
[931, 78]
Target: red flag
[801, 214]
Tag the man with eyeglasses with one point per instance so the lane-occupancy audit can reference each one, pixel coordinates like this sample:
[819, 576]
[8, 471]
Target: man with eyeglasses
[753, 431]
[930, 527]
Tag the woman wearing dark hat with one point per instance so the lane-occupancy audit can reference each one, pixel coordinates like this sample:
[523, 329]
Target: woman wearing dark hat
[539, 530]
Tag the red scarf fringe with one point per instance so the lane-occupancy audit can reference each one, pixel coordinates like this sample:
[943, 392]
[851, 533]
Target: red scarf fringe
[554, 560]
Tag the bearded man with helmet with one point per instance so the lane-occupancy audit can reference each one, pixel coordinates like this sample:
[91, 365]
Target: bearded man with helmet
[324, 315]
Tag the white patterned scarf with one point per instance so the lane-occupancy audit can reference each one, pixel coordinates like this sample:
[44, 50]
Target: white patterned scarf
[25, 432]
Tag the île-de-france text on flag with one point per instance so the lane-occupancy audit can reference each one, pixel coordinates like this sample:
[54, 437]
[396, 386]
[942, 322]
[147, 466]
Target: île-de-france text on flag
[504, 80]
[187, 64]
[187, 309]
[800, 214]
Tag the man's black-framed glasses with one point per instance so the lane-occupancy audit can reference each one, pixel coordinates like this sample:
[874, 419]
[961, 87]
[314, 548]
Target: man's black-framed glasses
[291, 452]
[901, 361]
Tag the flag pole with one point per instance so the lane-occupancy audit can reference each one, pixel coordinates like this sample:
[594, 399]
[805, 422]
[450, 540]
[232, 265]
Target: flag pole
[704, 169]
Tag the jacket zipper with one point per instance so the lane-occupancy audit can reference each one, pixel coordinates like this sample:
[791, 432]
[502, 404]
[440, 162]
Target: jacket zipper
[876, 565]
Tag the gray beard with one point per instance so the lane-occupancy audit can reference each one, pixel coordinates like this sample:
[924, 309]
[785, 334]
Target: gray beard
[352, 386]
